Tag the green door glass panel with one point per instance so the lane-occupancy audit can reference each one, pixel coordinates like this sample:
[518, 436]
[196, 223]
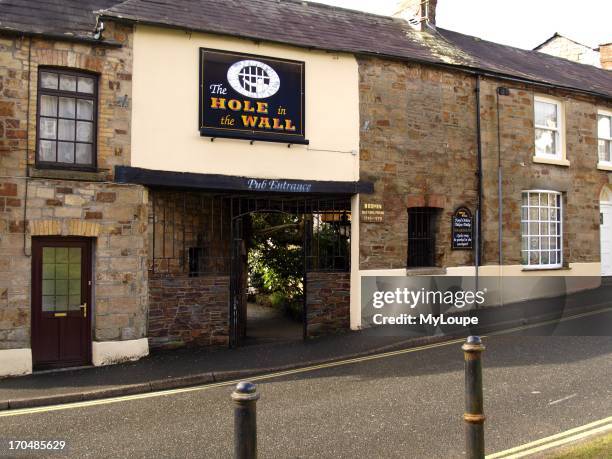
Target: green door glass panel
[61, 279]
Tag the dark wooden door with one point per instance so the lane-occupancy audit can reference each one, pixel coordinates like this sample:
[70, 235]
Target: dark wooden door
[61, 302]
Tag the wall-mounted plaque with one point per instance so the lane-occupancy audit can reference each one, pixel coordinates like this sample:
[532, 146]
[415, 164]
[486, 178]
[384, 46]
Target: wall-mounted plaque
[462, 229]
[251, 97]
[372, 212]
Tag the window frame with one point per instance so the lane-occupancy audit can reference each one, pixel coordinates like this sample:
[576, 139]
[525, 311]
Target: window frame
[40, 91]
[559, 155]
[528, 235]
[600, 162]
[432, 215]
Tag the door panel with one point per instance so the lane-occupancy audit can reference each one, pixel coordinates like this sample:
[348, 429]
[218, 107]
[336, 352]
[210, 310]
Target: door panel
[61, 286]
[606, 239]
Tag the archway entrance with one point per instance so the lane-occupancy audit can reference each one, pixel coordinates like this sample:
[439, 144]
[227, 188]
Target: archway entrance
[605, 209]
[277, 243]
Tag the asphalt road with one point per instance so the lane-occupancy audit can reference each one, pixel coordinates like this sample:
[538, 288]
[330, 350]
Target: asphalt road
[407, 406]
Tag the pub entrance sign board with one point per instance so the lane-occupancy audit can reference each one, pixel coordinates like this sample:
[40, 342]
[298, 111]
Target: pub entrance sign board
[244, 96]
[462, 229]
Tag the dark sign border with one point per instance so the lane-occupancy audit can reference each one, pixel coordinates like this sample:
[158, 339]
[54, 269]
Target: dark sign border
[246, 134]
[471, 246]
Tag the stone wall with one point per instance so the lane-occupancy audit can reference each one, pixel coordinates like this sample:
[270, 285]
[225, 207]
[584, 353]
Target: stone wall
[188, 311]
[327, 303]
[419, 147]
[42, 202]
[580, 182]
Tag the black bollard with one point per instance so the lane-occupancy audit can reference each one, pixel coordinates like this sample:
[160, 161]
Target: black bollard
[474, 407]
[245, 397]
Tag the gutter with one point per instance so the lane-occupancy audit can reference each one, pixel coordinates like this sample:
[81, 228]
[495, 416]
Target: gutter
[60, 37]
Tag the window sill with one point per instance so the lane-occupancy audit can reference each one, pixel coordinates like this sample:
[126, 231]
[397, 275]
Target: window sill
[546, 268]
[66, 174]
[433, 271]
[553, 161]
[604, 166]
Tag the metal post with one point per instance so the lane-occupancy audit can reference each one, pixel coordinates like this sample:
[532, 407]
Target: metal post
[245, 398]
[474, 411]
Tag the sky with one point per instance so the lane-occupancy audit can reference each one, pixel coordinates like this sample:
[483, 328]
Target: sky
[521, 23]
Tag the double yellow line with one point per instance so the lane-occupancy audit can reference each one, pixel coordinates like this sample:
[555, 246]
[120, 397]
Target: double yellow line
[555, 441]
[67, 406]
[125, 398]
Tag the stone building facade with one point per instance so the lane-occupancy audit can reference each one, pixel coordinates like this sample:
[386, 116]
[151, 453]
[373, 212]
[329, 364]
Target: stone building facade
[416, 122]
[419, 148]
[146, 246]
[39, 203]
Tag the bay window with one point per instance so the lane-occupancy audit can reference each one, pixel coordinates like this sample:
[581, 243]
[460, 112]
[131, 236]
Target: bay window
[542, 229]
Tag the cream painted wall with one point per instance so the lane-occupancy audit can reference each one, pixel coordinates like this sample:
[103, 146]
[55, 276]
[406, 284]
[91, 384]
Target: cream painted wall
[165, 132]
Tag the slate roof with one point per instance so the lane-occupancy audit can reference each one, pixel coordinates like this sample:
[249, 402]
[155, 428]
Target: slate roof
[57, 18]
[325, 27]
[532, 65]
[309, 25]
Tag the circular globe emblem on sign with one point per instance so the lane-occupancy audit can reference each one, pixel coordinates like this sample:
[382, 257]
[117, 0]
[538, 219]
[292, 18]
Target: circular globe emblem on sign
[253, 79]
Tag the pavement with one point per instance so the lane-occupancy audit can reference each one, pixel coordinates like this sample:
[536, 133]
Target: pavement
[191, 367]
[405, 405]
[187, 367]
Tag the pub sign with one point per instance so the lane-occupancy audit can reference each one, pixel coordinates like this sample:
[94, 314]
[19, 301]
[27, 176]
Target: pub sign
[251, 97]
[462, 229]
[372, 212]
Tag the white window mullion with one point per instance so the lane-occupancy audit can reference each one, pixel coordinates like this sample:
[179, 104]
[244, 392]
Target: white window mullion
[548, 124]
[542, 232]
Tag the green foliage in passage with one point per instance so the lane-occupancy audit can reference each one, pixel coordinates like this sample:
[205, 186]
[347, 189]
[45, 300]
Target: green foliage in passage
[275, 255]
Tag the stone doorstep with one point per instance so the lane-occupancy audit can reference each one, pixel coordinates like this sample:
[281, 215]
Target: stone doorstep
[199, 379]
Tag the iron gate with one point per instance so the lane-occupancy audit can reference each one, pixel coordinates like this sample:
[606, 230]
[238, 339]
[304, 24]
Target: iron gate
[199, 233]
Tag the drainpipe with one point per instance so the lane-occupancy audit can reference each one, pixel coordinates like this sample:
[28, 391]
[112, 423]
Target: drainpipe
[501, 91]
[27, 154]
[478, 260]
[499, 187]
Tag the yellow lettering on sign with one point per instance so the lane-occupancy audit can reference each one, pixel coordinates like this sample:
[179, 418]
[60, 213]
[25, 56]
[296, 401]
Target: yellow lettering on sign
[289, 126]
[249, 121]
[234, 105]
[217, 102]
[264, 122]
[248, 107]
[276, 124]
[262, 107]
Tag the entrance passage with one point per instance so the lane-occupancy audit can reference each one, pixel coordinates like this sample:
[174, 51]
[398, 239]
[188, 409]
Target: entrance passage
[274, 277]
[277, 241]
[234, 269]
[61, 299]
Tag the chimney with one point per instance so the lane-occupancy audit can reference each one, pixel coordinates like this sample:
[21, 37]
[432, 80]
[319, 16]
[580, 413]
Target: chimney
[420, 14]
[605, 55]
